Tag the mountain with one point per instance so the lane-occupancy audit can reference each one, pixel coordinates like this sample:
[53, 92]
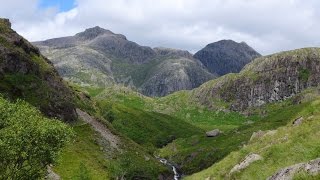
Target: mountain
[102, 58]
[26, 74]
[226, 56]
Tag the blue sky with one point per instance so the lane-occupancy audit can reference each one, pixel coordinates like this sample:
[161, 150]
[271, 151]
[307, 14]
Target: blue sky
[62, 5]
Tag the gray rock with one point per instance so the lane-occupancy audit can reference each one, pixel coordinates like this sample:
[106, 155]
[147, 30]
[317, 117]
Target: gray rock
[257, 135]
[213, 133]
[312, 167]
[297, 121]
[246, 162]
[51, 175]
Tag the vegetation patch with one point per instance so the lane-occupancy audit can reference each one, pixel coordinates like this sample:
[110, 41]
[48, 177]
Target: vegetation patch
[29, 142]
[304, 74]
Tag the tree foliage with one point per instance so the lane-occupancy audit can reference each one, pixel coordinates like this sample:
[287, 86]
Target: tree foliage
[29, 142]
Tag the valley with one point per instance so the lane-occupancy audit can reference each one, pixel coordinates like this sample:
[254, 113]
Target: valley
[114, 109]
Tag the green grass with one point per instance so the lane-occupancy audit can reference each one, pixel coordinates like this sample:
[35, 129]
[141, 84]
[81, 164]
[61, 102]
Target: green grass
[44, 66]
[83, 153]
[149, 129]
[303, 175]
[288, 146]
[207, 151]
[29, 87]
[90, 156]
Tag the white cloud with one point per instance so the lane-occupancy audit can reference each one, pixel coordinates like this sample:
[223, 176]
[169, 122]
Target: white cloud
[267, 25]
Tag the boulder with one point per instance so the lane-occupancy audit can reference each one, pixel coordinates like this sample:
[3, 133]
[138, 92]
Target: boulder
[246, 162]
[213, 133]
[257, 135]
[297, 121]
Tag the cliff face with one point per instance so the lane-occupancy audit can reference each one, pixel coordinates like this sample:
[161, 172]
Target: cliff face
[226, 56]
[266, 79]
[175, 74]
[26, 74]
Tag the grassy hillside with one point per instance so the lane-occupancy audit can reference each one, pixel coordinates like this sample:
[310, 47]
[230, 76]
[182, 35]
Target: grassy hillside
[207, 151]
[126, 113]
[90, 157]
[287, 146]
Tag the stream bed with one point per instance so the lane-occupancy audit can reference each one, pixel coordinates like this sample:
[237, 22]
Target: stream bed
[177, 176]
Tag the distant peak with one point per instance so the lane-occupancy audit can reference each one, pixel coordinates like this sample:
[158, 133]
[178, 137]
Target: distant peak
[94, 32]
[224, 41]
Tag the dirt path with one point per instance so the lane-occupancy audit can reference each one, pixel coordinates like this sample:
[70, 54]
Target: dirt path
[99, 127]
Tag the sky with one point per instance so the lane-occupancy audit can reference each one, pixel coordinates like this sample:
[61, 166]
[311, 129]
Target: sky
[269, 26]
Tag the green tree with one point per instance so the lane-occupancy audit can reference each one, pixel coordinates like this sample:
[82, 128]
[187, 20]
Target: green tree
[29, 142]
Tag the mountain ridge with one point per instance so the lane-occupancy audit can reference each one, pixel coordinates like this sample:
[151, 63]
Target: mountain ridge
[123, 62]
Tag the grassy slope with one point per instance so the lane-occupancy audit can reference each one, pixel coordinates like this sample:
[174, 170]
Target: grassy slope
[84, 153]
[207, 151]
[91, 154]
[151, 129]
[289, 146]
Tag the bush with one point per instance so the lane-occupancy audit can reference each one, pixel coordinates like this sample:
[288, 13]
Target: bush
[29, 142]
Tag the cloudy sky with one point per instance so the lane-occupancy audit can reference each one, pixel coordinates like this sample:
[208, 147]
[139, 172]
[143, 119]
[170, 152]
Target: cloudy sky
[268, 26]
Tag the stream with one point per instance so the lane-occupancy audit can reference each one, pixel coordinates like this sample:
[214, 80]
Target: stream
[177, 176]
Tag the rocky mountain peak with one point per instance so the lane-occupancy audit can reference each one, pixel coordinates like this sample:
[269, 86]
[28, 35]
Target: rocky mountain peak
[92, 33]
[226, 56]
[224, 42]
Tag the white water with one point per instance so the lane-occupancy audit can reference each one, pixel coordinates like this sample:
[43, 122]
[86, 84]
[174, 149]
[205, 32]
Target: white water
[174, 169]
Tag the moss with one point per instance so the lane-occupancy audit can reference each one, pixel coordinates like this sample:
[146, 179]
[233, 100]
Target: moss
[304, 74]
[44, 66]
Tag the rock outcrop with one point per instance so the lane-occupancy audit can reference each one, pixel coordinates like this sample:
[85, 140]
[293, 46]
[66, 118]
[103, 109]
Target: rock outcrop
[226, 56]
[175, 74]
[311, 167]
[297, 121]
[26, 74]
[267, 79]
[246, 162]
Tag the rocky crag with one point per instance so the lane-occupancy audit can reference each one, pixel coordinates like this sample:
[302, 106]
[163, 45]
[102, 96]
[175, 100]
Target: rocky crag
[26, 74]
[267, 79]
